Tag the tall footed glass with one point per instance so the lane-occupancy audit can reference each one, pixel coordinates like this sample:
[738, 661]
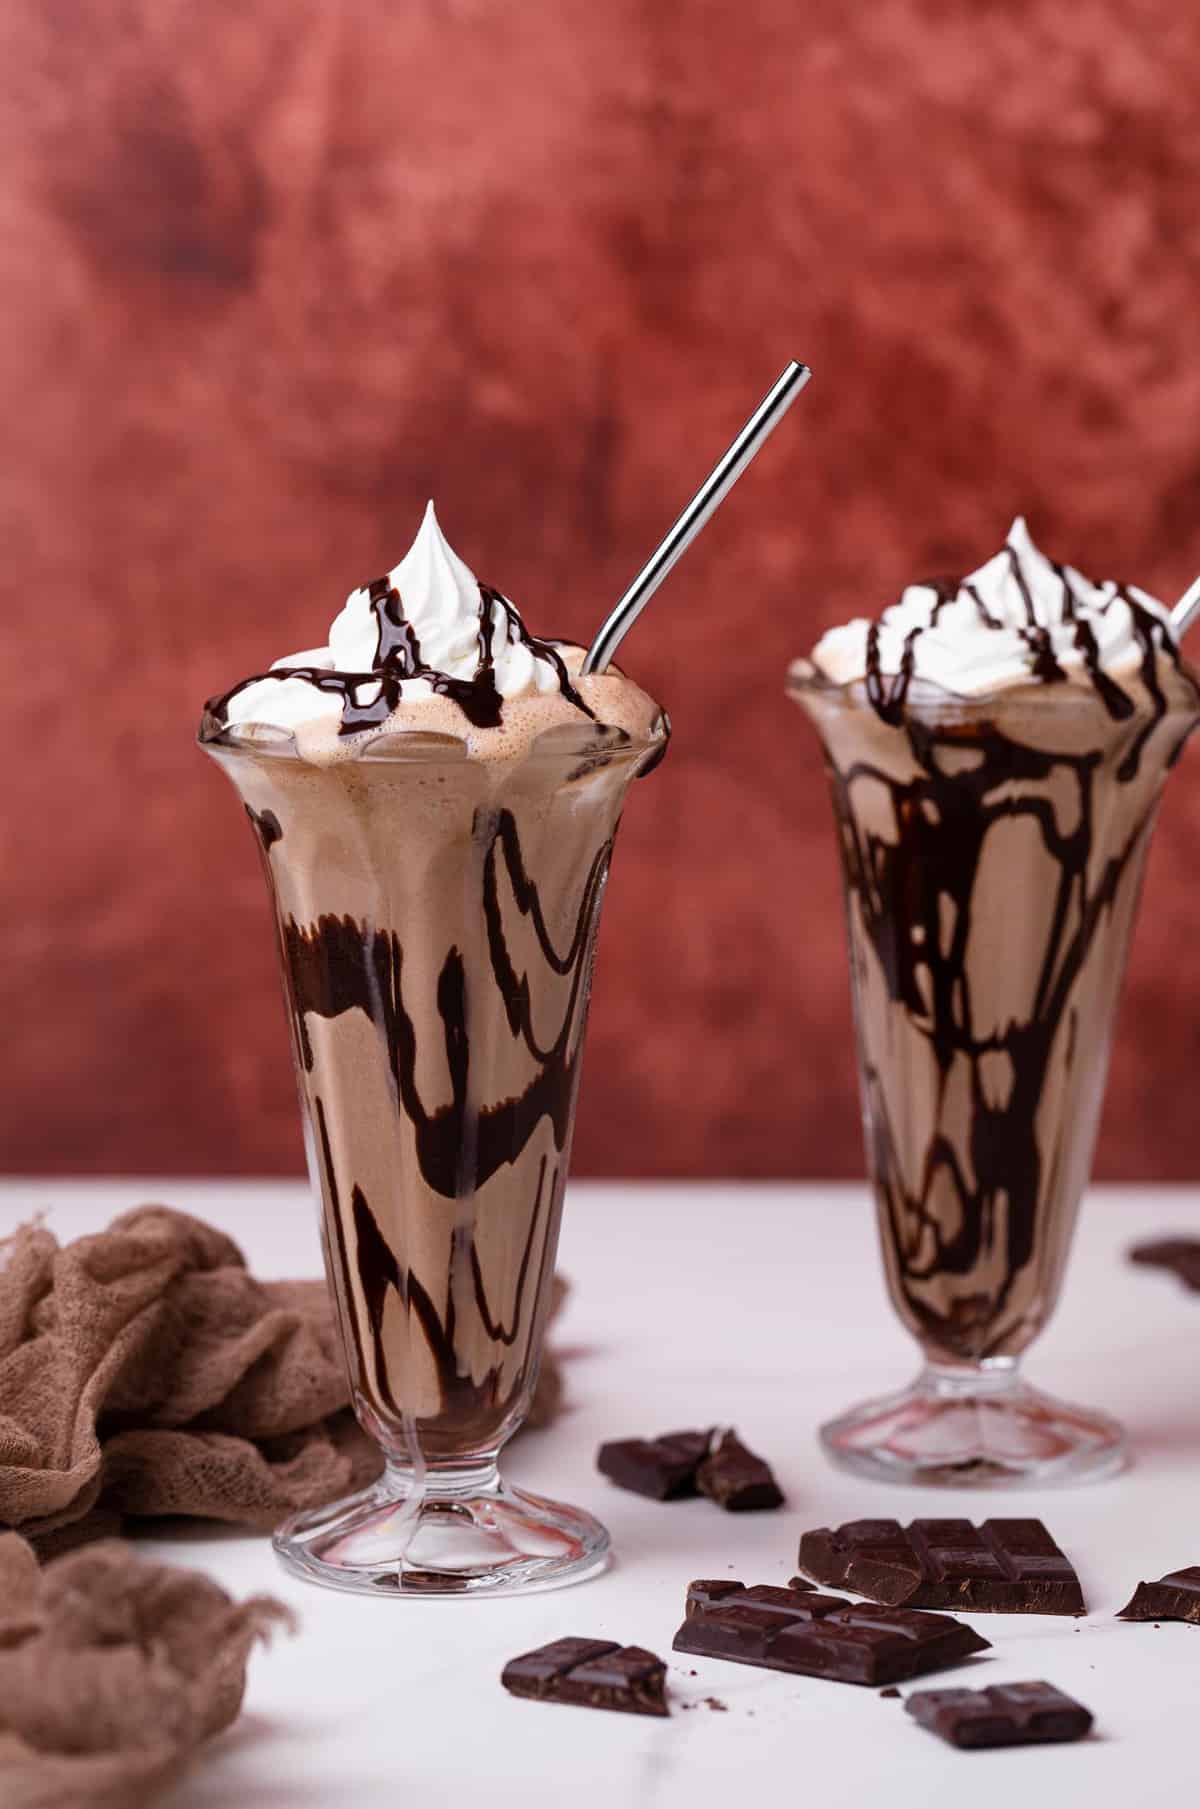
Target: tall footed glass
[992, 853]
[437, 918]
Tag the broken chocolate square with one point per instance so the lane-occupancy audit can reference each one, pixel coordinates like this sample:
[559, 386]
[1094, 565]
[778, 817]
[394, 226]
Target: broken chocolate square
[736, 1479]
[590, 1673]
[1180, 1256]
[1007, 1714]
[1175, 1597]
[662, 1468]
[682, 1464]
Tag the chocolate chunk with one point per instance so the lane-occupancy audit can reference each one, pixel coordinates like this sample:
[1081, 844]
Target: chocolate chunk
[590, 1673]
[1179, 1255]
[1007, 1714]
[663, 1468]
[1175, 1597]
[819, 1635]
[736, 1479]
[1001, 1567]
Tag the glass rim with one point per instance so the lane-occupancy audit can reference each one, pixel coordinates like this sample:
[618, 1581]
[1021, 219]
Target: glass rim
[571, 743]
[804, 678]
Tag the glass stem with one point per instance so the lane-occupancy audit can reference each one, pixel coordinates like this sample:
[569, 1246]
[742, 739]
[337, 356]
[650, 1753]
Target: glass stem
[964, 1381]
[990, 1375]
[467, 1478]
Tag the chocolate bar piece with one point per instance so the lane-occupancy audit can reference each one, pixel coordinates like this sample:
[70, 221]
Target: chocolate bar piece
[663, 1468]
[1007, 1714]
[590, 1673]
[1001, 1567]
[1179, 1255]
[1175, 1597]
[736, 1479]
[819, 1635]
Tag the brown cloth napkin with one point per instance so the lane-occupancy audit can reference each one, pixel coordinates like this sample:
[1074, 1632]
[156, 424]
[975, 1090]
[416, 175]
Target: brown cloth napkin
[143, 1370]
[112, 1672]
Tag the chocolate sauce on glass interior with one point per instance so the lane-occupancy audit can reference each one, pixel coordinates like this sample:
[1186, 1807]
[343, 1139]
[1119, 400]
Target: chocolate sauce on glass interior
[992, 852]
[436, 845]
[437, 919]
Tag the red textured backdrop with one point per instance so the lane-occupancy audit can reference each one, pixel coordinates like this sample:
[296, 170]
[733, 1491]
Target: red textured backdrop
[275, 270]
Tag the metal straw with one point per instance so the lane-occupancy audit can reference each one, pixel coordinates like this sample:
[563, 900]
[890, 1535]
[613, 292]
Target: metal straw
[712, 491]
[1186, 611]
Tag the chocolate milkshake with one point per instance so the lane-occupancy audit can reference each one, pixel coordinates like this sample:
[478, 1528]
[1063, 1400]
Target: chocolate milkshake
[996, 749]
[435, 795]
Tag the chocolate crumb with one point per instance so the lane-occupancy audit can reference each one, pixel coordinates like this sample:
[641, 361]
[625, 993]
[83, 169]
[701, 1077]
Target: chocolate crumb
[894, 1693]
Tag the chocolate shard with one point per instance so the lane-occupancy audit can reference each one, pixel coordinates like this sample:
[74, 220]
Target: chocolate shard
[1000, 1567]
[815, 1635]
[736, 1479]
[662, 1468]
[1175, 1597]
[590, 1673]
[1179, 1255]
[1007, 1714]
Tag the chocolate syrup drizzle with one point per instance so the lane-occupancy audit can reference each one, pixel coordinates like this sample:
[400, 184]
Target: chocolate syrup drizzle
[888, 694]
[398, 657]
[965, 1205]
[999, 1178]
[266, 826]
[338, 965]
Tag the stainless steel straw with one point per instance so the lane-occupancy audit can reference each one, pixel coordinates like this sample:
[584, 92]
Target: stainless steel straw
[712, 491]
[1186, 610]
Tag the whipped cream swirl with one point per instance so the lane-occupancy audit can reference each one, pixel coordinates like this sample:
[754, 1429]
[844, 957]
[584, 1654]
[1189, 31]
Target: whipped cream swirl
[427, 629]
[1020, 619]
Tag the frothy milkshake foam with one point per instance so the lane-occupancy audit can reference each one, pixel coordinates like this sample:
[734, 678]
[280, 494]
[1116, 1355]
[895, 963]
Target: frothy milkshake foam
[436, 792]
[429, 648]
[996, 749]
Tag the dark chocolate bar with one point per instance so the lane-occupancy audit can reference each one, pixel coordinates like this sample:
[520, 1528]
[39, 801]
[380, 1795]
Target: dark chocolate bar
[1179, 1255]
[1175, 1597]
[590, 1673]
[662, 1468]
[736, 1479]
[819, 1635]
[1007, 1714]
[1001, 1567]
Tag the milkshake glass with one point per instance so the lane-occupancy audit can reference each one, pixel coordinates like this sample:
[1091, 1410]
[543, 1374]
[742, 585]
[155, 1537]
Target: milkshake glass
[993, 829]
[437, 890]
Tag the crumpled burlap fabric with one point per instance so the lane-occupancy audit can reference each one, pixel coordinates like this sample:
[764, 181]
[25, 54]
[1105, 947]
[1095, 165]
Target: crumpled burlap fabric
[112, 1672]
[145, 1371]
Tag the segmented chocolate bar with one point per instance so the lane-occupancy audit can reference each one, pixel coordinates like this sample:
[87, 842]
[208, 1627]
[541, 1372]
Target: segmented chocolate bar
[1000, 1567]
[800, 1631]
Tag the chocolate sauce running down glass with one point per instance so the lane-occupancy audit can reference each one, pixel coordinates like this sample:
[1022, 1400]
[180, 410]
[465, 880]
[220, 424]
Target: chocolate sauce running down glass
[437, 919]
[992, 851]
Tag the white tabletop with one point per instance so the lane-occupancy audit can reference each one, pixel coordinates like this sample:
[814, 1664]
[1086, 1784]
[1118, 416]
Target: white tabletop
[762, 1306]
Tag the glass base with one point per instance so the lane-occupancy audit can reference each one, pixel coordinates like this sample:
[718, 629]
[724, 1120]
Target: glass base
[457, 1534]
[975, 1428]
